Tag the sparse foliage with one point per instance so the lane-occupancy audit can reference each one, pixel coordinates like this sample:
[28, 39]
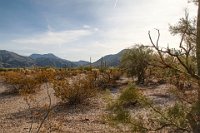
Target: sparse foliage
[186, 61]
[135, 61]
[76, 90]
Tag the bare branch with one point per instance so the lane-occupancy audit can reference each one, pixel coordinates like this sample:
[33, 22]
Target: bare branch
[177, 56]
[48, 110]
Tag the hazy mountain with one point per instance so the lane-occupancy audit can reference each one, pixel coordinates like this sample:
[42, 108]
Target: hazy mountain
[111, 60]
[13, 60]
[49, 55]
[81, 63]
[51, 60]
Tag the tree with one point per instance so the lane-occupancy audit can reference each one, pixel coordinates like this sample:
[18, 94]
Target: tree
[190, 41]
[197, 125]
[135, 61]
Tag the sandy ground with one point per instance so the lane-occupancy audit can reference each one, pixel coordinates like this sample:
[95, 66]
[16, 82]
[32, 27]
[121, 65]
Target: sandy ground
[16, 116]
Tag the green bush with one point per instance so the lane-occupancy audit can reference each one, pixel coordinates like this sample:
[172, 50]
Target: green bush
[119, 114]
[129, 96]
[118, 108]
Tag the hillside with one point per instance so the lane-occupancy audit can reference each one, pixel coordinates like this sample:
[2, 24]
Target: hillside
[13, 60]
[81, 63]
[111, 60]
[51, 60]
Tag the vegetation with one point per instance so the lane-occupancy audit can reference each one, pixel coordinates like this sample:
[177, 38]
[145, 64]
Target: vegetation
[136, 60]
[185, 58]
[21, 82]
[180, 68]
[74, 91]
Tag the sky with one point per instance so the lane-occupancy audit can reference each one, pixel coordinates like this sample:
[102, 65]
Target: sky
[80, 29]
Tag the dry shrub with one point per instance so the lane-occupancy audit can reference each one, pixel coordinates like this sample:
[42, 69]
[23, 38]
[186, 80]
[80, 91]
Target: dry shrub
[21, 82]
[102, 82]
[76, 90]
[45, 76]
[62, 74]
[115, 73]
[107, 78]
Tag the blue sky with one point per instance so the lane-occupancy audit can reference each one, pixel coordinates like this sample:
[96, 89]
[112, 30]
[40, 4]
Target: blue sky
[80, 29]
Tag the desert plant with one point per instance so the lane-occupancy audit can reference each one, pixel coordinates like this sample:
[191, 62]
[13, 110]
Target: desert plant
[119, 115]
[119, 109]
[187, 57]
[21, 82]
[174, 118]
[135, 61]
[129, 96]
[76, 90]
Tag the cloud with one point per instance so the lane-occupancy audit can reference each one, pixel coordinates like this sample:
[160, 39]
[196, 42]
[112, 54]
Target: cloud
[130, 22]
[50, 37]
[80, 29]
[86, 26]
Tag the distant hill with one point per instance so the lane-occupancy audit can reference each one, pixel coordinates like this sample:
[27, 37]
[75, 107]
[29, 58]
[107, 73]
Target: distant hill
[82, 63]
[111, 60]
[51, 60]
[13, 60]
[49, 55]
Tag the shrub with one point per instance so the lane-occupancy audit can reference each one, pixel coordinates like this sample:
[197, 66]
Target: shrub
[129, 97]
[76, 90]
[20, 82]
[107, 78]
[135, 61]
[119, 114]
[45, 76]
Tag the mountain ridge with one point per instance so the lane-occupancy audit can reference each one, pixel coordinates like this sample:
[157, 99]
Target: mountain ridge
[111, 60]
[10, 59]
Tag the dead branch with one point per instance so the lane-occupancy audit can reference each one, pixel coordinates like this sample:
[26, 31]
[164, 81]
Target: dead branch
[178, 56]
[48, 110]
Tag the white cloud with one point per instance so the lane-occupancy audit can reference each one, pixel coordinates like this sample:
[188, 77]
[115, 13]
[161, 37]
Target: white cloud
[130, 22]
[86, 26]
[61, 37]
[118, 28]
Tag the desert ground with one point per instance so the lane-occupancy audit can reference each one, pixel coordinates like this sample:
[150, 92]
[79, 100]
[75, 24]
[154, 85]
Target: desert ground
[16, 113]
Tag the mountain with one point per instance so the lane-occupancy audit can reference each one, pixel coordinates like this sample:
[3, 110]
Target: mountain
[51, 60]
[111, 60]
[82, 63]
[13, 60]
[49, 55]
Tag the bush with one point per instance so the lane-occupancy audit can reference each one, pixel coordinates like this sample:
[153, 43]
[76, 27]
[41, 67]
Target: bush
[119, 111]
[119, 114]
[129, 96]
[21, 82]
[135, 61]
[45, 76]
[106, 78]
[175, 118]
[76, 90]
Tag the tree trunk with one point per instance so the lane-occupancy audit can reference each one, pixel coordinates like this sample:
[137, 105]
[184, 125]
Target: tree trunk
[198, 40]
[197, 127]
[140, 76]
